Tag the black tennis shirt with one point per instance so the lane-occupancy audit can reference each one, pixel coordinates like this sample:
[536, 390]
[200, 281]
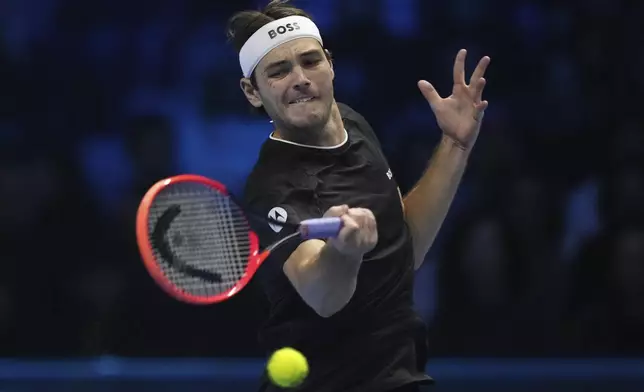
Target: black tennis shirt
[377, 341]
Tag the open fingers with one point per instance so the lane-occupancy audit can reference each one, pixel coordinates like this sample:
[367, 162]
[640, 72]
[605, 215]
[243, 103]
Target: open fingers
[479, 110]
[478, 86]
[480, 69]
[429, 92]
[459, 67]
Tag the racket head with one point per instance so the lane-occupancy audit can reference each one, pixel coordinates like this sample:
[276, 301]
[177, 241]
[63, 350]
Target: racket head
[180, 191]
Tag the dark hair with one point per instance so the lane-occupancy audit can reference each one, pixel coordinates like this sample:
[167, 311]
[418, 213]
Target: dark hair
[242, 25]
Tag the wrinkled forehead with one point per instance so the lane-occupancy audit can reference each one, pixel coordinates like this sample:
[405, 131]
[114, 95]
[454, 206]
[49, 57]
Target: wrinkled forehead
[290, 52]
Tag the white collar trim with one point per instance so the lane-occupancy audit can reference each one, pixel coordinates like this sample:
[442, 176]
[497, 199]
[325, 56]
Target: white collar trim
[346, 138]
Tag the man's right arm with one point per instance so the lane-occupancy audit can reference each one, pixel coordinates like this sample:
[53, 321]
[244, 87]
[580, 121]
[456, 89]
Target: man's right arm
[325, 273]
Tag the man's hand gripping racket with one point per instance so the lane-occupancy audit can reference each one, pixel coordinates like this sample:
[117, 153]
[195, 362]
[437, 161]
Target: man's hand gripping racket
[359, 233]
[197, 244]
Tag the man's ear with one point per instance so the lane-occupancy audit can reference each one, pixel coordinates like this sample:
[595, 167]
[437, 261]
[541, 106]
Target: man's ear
[329, 57]
[251, 93]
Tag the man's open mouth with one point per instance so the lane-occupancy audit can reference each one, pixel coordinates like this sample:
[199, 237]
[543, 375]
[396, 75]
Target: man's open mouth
[301, 100]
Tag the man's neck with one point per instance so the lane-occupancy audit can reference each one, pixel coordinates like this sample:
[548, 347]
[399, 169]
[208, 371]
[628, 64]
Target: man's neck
[331, 134]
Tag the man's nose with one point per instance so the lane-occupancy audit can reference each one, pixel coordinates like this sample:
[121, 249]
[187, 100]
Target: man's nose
[301, 80]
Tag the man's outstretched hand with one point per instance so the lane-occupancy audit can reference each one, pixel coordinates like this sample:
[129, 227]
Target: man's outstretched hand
[460, 115]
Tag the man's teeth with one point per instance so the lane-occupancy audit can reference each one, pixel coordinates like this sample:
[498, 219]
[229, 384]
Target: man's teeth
[302, 100]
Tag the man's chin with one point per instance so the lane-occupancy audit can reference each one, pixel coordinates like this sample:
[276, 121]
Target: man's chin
[310, 120]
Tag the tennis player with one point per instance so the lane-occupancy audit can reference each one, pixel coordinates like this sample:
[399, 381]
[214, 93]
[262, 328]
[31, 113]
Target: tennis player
[346, 303]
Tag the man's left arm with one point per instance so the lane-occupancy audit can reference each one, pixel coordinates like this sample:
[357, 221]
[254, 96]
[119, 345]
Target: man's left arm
[427, 203]
[459, 117]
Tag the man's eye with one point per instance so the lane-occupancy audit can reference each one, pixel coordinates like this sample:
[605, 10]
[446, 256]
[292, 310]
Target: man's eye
[311, 63]
[277, 73]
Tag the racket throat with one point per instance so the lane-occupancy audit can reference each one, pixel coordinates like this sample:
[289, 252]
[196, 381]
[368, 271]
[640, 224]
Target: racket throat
[280, 242]
[263, 255]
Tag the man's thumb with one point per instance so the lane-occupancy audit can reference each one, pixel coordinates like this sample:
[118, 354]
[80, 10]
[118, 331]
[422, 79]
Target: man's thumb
[429, 92]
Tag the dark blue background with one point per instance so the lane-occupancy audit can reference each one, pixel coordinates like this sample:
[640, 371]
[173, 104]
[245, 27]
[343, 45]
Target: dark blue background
[541, 255]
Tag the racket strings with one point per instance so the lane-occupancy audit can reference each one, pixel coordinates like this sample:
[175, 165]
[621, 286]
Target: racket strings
[205, 246]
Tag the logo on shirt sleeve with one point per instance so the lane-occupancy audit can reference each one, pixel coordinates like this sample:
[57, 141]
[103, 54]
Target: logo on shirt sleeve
[279, 214]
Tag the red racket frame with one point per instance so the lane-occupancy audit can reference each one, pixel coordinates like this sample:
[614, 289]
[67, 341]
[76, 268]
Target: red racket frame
[255, 258]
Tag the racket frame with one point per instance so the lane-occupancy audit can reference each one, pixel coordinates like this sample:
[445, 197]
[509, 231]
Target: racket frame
[255, 257]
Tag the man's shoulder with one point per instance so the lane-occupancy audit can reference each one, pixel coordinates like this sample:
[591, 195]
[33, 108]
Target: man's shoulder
[270, 163]
[265, 181]
[359, 123]
[349, 113]
[271, 179]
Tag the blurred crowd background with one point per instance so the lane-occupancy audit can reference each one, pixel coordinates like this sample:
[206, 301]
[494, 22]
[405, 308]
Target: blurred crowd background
[542, 253]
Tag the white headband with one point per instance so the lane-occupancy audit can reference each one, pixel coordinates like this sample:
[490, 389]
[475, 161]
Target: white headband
[270, 36]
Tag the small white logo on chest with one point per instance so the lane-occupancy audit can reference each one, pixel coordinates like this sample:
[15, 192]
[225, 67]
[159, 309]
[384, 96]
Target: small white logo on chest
[389, 174]
[279, 214]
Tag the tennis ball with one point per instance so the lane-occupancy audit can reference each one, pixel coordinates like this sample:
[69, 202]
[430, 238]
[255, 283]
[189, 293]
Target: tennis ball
[287, 367]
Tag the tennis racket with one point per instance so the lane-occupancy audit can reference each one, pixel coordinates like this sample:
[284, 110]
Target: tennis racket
[197, 244]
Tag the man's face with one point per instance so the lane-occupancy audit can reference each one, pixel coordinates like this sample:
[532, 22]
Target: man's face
[294, 85]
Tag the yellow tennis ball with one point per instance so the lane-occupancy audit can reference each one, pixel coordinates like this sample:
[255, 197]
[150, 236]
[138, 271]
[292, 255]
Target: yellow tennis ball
[287, 367]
